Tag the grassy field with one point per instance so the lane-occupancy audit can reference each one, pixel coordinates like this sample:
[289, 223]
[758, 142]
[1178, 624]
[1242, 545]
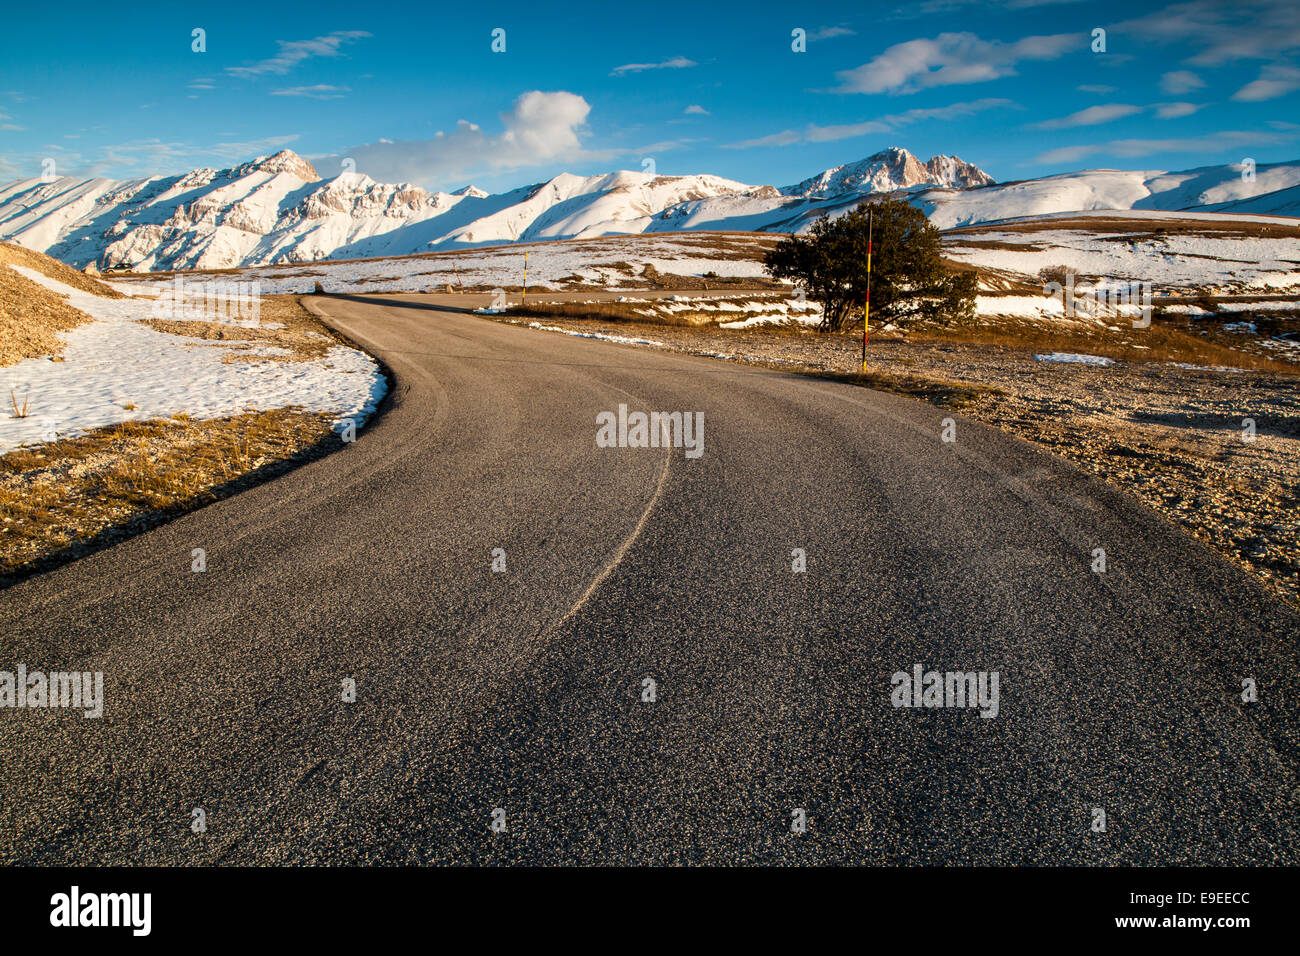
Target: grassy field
[64, 499]
[1194, 341]
[1170, 339]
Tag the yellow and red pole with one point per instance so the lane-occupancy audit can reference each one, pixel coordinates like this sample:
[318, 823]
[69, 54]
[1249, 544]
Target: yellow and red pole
[523, 295]
[866, 302]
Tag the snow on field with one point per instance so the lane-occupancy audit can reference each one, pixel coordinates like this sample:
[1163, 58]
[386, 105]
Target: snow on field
[758, 309]
[603, 336]
[1075, 357]
[1206, 368]
[768, 313]
[1150, 215]
[1222, 261]
[1217, 260]
[608, 262]
[1284, 305]
[118, 361]
[1019, 306]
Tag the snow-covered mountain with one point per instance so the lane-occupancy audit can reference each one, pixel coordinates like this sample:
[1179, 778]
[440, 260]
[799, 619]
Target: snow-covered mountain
[1272, 190]
[276, 209]
[890, 170]
[963, 199]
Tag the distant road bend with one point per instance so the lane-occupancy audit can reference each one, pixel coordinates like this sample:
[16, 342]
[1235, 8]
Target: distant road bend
[635, 573]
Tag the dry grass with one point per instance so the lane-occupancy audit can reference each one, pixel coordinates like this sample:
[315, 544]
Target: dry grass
[1138, 227]
[642, 313]
[1169, 339]
[302, 334]
[31, 318]
[61, 500]
[11, 254]
[651, 278]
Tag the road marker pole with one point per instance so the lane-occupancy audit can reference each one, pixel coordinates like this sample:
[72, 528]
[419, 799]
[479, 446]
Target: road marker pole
[523, 295]
[866, 303]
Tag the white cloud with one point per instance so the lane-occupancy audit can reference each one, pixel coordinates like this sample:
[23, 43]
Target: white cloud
[154, 157]
[1092, 116]
[675, 63]
[1093, 88]
[949, 59]
[829, 134]
[784, 138]
[293, 52]
[1274, 80]
[829, 33]
[1131, 148]
[321, 91]
[884, 124]
[540, 127]
[695, 110]
[1180, 81]
[1223, 32]
[1177, 110]
[931, 7]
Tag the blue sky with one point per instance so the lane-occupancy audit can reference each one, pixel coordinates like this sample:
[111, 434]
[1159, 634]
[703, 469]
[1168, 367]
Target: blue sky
[415, 92]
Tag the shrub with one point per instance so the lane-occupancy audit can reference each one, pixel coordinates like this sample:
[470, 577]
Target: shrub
[909, 278]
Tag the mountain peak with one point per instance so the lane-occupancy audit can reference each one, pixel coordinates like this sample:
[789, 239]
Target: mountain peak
[888, 170]
[891, 153]
[285, 161]
[472, 191]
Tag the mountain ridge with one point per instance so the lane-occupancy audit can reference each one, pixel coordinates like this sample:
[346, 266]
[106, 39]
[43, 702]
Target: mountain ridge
[278, 209]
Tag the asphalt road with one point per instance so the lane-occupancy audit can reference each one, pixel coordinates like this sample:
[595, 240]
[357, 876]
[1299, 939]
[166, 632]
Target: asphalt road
[522, 690]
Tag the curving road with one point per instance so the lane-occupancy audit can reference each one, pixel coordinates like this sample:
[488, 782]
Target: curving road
[523, 690]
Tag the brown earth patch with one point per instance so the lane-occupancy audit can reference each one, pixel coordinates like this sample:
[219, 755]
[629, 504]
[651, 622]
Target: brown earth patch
[11, 254]
[31, 318]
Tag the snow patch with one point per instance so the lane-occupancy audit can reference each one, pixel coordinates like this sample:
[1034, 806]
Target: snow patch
[1076, 357]
[117, 361]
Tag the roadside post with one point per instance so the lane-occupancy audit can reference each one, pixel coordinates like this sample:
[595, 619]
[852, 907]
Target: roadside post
[523, 295]
[866, 302]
